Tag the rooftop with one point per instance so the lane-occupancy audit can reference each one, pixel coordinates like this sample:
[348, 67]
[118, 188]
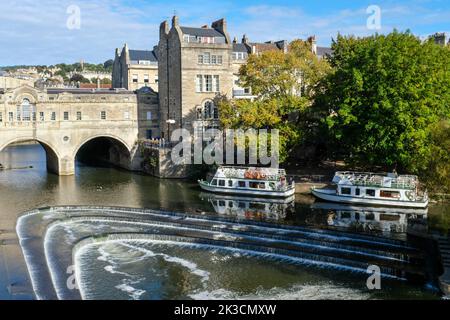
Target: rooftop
[202, 32]
[143, 55]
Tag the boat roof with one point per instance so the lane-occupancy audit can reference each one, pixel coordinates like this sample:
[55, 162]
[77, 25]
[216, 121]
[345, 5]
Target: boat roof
[241, 172]
[380, 180]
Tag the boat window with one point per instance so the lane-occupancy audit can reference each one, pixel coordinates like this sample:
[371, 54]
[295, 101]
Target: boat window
[389, 217]
[214, 182]
[370, 192]
[241, 205]
[241, 184]
[272, 185]
[346, 215]
[257, 185]
[230, 183]
[257, 206]
[347, 191]
[222, 203]
[230, 204]
[221, 183]
[390, 194]
[357, 192]
[370, 216]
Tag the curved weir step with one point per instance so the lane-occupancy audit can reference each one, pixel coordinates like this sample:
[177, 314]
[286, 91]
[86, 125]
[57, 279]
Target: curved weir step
[298, 245]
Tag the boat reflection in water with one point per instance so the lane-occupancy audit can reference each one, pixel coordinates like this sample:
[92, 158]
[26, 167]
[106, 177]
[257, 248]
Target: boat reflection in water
[262, 209]
[373, 219]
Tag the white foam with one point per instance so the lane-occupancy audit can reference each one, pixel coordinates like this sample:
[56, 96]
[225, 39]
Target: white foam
[296, 292]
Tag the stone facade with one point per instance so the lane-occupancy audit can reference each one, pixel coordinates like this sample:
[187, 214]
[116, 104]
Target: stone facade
[135, 69]
[62, 121]
[195, 67]
[11, 83]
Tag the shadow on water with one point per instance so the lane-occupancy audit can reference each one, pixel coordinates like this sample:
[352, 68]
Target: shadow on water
[294, 248]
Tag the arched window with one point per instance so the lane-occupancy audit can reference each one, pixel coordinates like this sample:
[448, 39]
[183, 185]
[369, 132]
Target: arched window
[26, 111]
[210, 110]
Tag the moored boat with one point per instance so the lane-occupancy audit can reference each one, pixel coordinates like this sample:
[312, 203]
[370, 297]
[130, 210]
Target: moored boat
[384, 189]
[262, 182]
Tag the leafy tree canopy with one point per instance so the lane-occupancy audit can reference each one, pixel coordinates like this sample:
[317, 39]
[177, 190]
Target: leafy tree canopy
[383, 97]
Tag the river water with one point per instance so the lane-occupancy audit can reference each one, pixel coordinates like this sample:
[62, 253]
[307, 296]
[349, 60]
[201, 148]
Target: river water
[191, 245]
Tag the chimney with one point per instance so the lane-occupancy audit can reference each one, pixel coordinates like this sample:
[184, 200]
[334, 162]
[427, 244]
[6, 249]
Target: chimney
[175, 21]
[117, 52]
[164, 29]
[221, 26]
[313, 42]
[245, 39]
[235, 40]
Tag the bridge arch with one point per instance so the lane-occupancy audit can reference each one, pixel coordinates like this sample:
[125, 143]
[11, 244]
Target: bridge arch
[52, 155]
[104, 148]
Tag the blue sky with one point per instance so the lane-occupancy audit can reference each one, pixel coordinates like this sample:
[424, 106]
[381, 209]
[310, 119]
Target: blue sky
[35, 32]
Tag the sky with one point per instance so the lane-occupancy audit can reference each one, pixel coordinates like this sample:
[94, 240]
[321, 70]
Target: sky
[48, 32]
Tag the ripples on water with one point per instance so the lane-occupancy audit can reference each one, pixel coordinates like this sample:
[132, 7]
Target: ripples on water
[149, 269]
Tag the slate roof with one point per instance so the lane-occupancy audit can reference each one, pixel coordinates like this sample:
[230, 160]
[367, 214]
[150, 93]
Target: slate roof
[141, 55]
[202, 32]
[324, 51]
[240, 47]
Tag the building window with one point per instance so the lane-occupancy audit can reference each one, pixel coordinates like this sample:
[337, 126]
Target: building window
[199, 83]
[135, 78]
[149, 115]
[1, 117]
[26, 110]
[200, 59]
[208, 83]
[126, 115]
[210, 110]
[11, 116]
[206, 58]
[41, 116]
[213, 59]
[79, 115]
[66, 115]
[146, 78]
[103, 115]
[53, 116]
[156, 79]
[216, 84]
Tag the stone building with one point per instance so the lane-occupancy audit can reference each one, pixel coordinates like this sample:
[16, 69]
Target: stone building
[65, 120]
[134, 69]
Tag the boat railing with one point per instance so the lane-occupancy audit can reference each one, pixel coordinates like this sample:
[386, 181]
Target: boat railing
[378, 180]
[253, 173]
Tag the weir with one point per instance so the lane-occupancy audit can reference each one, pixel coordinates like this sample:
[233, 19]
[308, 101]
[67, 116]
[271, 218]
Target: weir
[76, 226]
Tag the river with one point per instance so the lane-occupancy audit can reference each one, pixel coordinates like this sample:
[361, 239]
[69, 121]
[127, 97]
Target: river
[332, 244]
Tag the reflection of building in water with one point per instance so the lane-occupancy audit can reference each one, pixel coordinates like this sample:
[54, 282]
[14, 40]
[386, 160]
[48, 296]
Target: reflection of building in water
[251, 208]
[370, 219]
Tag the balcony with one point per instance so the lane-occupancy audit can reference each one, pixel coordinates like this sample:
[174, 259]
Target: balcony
[242, 94]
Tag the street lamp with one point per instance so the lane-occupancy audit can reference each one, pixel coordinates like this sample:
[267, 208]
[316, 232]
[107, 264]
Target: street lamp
[169, 122]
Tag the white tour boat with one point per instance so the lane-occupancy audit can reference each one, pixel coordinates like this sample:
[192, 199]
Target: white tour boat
[265, 182]
[385, 189]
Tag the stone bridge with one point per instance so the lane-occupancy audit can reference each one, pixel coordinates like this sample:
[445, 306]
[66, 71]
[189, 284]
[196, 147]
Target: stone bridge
[73, 123]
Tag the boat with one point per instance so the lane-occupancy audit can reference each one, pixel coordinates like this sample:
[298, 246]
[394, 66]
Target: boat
[260, 182]
[383, 219]
[379, 189]
[267, 209]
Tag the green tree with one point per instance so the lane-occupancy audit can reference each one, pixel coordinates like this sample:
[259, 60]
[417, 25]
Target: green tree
[284, 86]
[384, 95]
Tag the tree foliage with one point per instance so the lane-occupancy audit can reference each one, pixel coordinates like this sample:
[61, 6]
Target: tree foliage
[283, 84]
[383, 98]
